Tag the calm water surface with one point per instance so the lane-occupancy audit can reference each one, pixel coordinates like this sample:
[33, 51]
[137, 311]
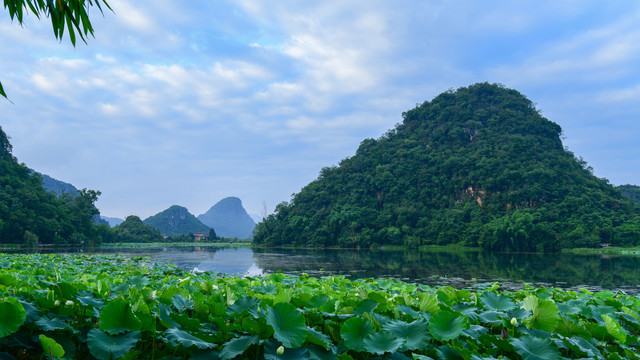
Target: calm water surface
[460, 269]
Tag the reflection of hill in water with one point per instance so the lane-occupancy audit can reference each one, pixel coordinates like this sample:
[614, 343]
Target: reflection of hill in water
[430, 267]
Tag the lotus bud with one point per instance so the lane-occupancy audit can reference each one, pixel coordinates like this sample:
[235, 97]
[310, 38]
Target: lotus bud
[56, 303]
[514, 321]
[280, 350]
[69, 303]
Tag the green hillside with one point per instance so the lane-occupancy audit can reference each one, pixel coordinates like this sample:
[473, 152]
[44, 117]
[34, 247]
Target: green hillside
[27, 209]
[630, 191]
[478, 167]
[176, 221]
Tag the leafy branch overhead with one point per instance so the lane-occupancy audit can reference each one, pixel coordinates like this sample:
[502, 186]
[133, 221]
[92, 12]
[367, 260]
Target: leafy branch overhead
[70, 14]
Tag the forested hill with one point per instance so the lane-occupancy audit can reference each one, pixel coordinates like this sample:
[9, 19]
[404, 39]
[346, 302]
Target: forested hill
[176, 221]
[29, 213]
[478, 166]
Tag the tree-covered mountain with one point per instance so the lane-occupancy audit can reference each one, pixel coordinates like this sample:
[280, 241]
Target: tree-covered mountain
[478, 166]
[27, 207]
[133, 230]
[229, 219]
[176, 221]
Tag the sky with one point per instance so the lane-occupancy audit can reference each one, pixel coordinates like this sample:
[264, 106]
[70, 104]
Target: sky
[188, 102]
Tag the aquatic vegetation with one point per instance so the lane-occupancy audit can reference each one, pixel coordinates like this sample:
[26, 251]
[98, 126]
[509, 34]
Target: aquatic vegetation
[109, 307]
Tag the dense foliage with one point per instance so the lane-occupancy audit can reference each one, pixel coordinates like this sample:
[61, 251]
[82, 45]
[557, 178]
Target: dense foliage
[133, 230]
[176, 221]
[229, 218]
[25, 206]
[478, 166]
[630, 191]
[109, 307]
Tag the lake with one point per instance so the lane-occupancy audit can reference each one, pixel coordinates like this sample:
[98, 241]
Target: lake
[455, 268]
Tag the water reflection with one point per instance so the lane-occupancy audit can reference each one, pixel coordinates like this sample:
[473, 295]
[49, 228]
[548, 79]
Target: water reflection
[460, 269]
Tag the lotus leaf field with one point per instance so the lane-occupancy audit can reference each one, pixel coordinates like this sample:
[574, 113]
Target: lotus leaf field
[111, 307]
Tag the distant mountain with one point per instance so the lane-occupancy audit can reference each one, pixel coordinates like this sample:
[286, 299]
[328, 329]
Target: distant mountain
[113, 221]
[176, 221]
[229, 219]
[57, 186]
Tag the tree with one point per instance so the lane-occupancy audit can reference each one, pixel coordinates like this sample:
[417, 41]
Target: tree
[212, 235]
[69, 14]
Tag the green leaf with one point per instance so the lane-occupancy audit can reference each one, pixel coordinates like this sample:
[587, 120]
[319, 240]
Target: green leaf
[446, 325]
[51, 347]
[382, 342]
[47, 324]
[584, 346]
[243, 304]
[544, 315]
[366, 305]
[614, 329]
[288, 323]
[4, 94]
[354, 331]
[497, 302]
[177, 336]
[493, 318]
[180, 303]
[534, 348]
[428, 303]
[237, 346]
[13, 316]
[413, 334]
[106, 347]
[117, 317]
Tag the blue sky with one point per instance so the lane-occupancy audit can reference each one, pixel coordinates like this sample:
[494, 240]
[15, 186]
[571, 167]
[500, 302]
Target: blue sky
[188, 102]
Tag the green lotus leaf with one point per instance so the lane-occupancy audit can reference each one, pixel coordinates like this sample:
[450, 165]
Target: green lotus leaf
[180, 303]
[50, 347]
[237, 346]
[354, 331]
[382, 342]
[421, 357]
[497, 302]
[177, 336]
[446, 325]
[33, 313]
[428, 303]
[534, 348]
[13, 316]
[139, 281]
[317, 301]
[493, 318]
[90, 300]
[544, 313]
[243, 304]
[582, 345]
[47, 324]
[407, 310]
[318, 338]
[271, 352]
[288, 324]
[106, 347]
[413, 334]
[447, 353]
[614, 329]
[318, 353]
[366, 305]
[117, 317]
